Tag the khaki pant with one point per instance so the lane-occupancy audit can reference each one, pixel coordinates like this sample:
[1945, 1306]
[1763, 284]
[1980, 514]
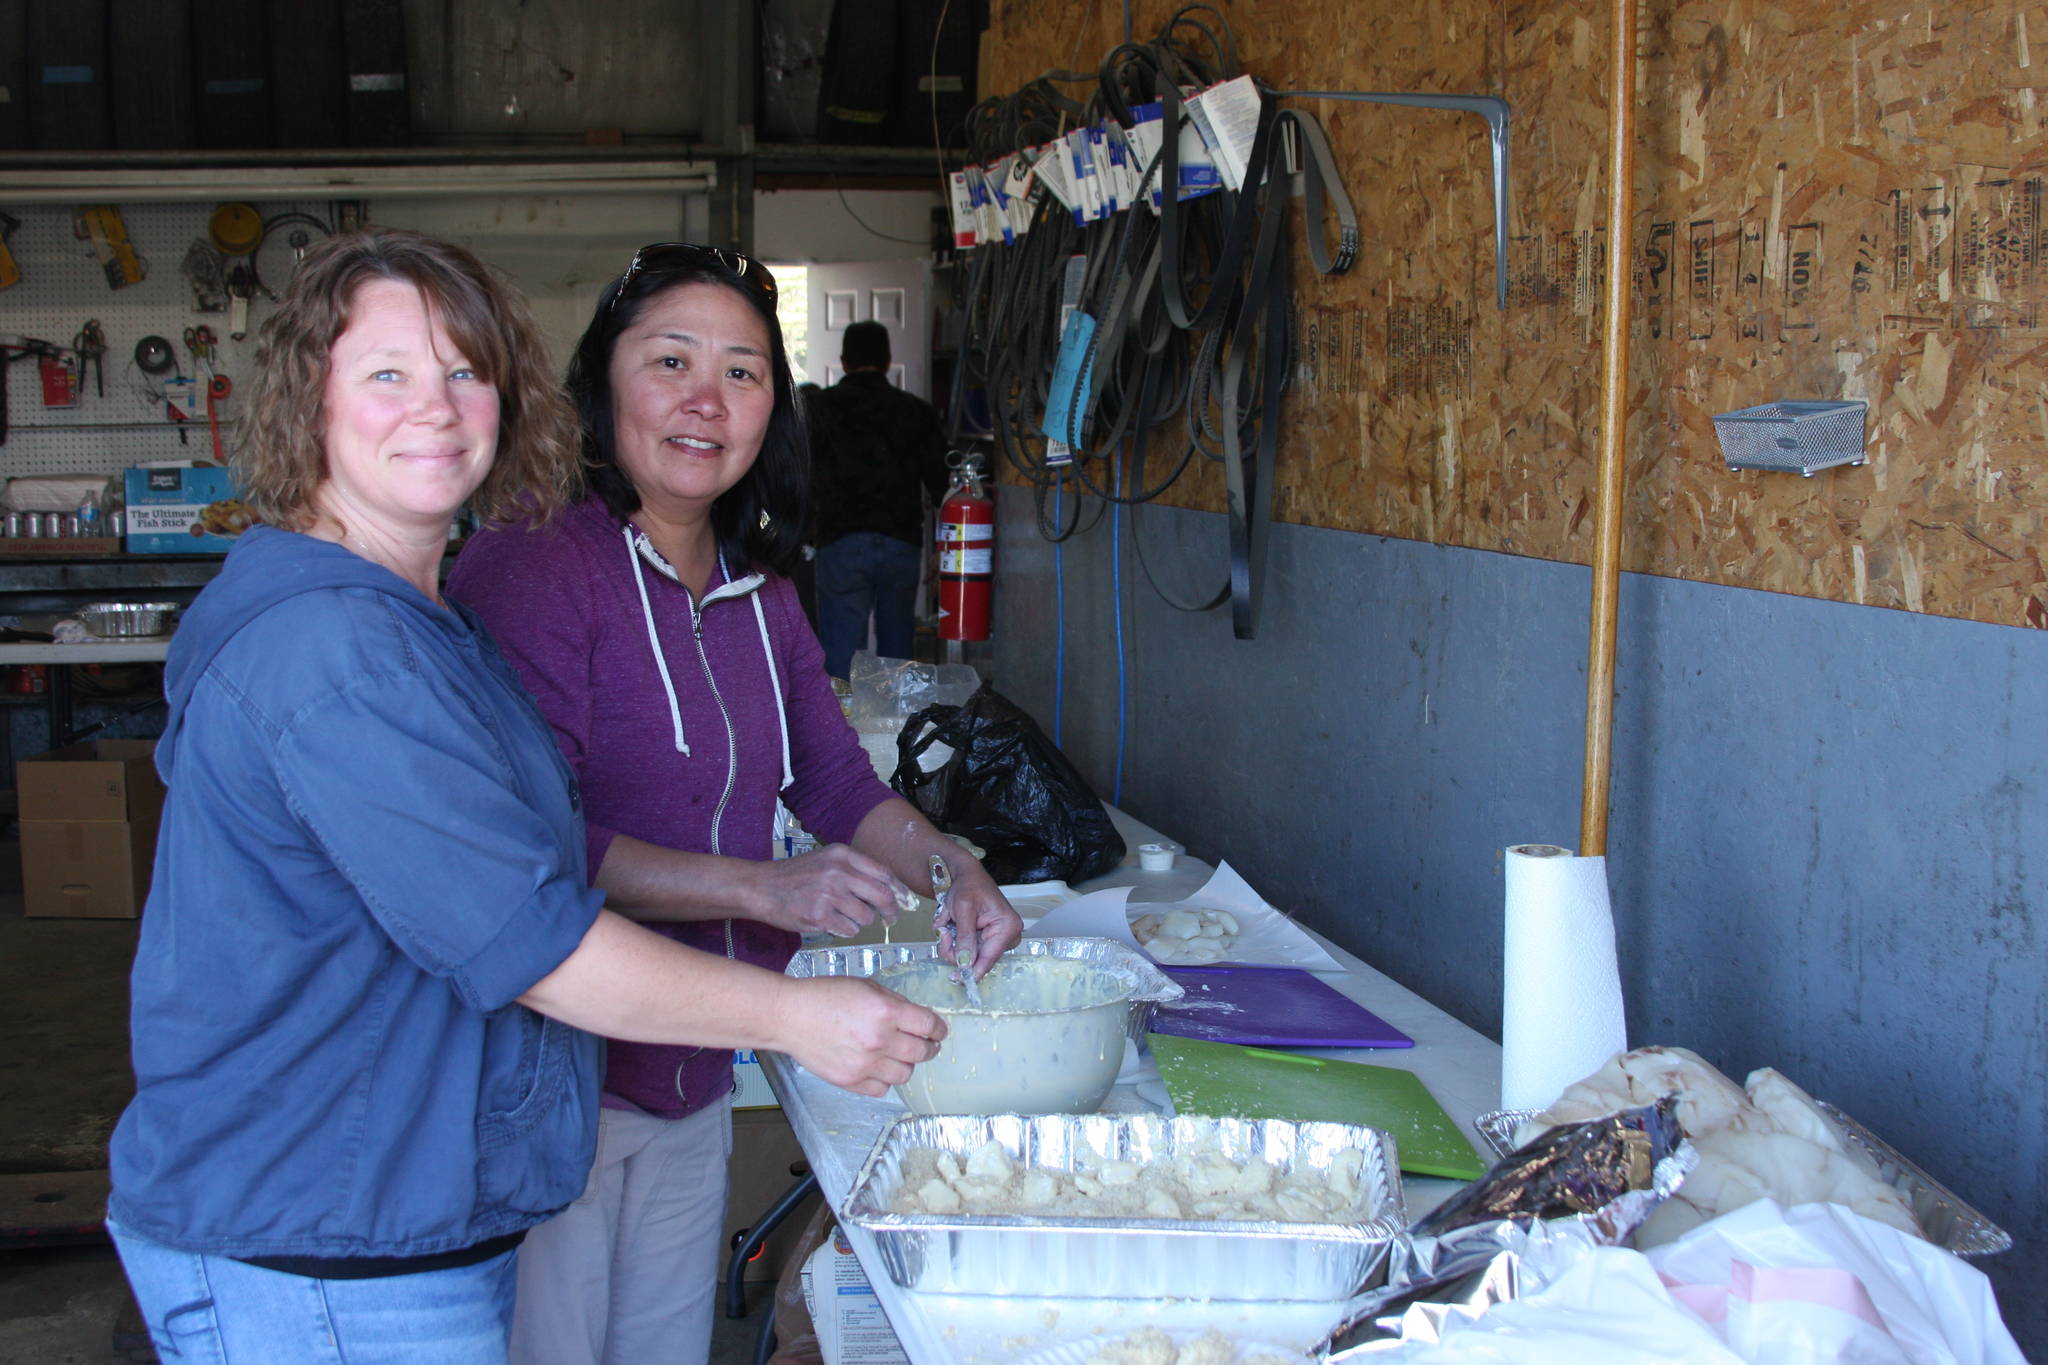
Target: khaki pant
[629, 1273]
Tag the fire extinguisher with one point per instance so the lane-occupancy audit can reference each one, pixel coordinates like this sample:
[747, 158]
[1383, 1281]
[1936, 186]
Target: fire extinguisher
[967, 549]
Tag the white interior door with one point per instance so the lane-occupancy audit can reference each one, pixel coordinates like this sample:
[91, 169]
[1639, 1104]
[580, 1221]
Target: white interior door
[893, 293]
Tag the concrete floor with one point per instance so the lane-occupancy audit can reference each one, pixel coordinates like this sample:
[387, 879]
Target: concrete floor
[63, 1080]
[70, 1306]
[66, 1306]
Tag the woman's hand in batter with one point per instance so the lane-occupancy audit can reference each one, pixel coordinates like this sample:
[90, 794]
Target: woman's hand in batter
[977, 903]
[858, 1035]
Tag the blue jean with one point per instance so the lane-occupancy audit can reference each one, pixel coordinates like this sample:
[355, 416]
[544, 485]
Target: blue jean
[862, 573]
[221, 1311]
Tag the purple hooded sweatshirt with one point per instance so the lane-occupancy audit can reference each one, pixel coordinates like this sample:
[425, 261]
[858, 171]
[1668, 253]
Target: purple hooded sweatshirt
[682, 725]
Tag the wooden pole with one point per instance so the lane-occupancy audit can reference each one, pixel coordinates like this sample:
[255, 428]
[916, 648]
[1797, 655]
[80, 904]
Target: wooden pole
[1621, 199]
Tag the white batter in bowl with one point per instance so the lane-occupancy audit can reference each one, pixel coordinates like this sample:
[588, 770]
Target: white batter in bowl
[1047, 1040]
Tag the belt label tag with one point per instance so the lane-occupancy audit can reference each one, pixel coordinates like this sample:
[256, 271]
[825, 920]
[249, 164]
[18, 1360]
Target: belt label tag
[1229, 118]
[962, 203]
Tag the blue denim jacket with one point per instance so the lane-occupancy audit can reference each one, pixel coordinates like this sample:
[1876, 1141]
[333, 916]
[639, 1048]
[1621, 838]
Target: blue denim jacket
[371, 848]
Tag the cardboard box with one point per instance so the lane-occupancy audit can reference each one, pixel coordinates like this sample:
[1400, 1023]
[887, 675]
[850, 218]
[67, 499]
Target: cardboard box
[85, 869]
[101, 779]
[89, 816]
[851, 1325]
[766, 1161]
[71, 547]
[182, 510]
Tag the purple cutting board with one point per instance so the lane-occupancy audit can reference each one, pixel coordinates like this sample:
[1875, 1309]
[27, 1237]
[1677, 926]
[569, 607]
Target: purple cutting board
[1270, 1007]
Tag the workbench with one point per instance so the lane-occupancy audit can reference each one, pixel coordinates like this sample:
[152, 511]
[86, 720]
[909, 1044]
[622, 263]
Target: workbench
[837, 1129]
[59, 660]
[145, 649]
[36, 590]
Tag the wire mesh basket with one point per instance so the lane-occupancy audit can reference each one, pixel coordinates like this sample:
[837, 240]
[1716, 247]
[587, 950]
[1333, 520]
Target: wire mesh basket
[1793, 437]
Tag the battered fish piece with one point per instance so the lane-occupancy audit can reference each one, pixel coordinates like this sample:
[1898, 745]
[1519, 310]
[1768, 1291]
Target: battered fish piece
[1151, 1346]
[1186, 936]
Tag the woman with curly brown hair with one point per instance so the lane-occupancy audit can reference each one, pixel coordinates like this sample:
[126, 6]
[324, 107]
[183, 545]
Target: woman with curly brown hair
[371, 949]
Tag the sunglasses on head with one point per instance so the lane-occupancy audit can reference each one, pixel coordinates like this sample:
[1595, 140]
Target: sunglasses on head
[663, 257]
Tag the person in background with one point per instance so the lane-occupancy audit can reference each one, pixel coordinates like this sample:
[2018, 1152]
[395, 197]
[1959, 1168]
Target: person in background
[803, 570]
[370, 950]
[876, 452]
[655, 623]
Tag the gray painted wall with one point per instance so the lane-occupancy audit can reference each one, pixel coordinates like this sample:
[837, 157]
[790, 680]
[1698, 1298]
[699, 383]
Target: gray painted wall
[1822, 815]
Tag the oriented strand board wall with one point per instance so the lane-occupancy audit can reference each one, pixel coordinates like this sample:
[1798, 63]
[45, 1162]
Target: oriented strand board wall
[1837, 201]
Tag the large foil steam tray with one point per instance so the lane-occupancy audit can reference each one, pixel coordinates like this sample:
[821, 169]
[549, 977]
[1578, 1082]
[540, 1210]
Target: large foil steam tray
[1137, 1258]
[868, 959]
[1944, 1218]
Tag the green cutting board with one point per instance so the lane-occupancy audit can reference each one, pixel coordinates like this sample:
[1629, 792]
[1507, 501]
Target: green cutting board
[1229, 1080]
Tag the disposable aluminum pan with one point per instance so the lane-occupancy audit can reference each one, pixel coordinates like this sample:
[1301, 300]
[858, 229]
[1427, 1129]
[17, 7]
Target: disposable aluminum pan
[126, 620]
[868, 959]
[1946, 1220]
[1135, 1258]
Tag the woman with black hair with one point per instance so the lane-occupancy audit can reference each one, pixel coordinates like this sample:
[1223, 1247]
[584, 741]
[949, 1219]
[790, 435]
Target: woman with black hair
[655, 623]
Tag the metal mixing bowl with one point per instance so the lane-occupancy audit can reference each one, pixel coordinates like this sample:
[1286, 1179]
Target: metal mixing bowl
[1048, 1040]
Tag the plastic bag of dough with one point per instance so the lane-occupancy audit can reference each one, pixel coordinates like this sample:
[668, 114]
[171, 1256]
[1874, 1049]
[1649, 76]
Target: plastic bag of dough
[1792, 1110]
[1772, 1143]
[1740, 1166]
[1706, 1099]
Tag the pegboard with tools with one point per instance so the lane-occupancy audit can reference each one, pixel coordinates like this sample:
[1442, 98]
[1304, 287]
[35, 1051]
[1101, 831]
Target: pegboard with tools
[112, 377]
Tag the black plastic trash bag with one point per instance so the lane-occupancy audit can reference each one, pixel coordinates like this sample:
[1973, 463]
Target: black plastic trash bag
[1007, 788]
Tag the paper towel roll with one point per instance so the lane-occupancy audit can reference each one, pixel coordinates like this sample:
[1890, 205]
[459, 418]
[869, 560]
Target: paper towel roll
[1561, 990]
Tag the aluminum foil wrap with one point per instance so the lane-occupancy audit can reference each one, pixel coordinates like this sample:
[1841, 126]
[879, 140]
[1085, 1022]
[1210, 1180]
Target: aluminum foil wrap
[1133, 1258]
[1590, 1183]
[1944, 1217]
[1151, 985]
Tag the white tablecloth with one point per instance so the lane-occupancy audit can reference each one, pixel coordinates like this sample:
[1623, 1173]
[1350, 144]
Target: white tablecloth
[838, 1129]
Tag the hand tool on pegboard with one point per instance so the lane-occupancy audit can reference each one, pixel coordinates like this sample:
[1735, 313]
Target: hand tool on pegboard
[237, 230]
[10, 352]
[13, 348]
[101, 224]
[10, 273]
[287, 237]
[217, 390]
[206, 271]
[241, 289]
[91, 346]
[156, 358]
[200, 343]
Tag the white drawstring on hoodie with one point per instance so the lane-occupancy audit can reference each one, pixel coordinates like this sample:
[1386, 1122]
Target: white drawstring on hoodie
[635, 541]
[775, 684]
